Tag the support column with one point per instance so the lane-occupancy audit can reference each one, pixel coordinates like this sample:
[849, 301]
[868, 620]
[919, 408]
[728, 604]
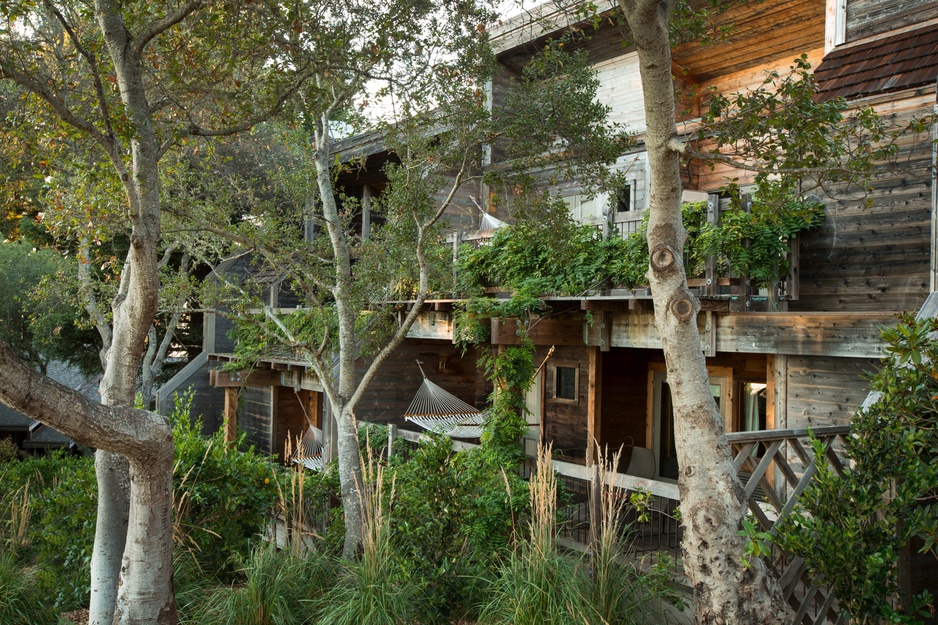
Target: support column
[366, 212]
[594, 404]
[231, 414]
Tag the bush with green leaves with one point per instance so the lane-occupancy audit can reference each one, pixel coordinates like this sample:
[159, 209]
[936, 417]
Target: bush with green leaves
[851, 528]
[223, 495]
[560, 257]
[33, 493]
[454, 514]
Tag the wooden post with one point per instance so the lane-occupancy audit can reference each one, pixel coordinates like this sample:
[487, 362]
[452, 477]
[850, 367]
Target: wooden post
[793, 279]
[594, 404]
[231, 414]
[595, 503]
[710, 267]
[779, 386]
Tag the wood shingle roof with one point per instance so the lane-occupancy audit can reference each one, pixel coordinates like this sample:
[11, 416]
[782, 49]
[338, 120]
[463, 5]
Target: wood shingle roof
[898, 61]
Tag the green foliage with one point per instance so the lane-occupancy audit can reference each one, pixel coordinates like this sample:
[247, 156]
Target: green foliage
[279, 588]
[851, 528]
[222, 497]
[373, 591]
[452, 517]
[758, 543]
[792, 139]
[756, 242]
[22, 603]
[536, 584]
[570, 259]
[561, 258]
[534, 588]
[33, 493]
[551, 117]
[40, 317]
[8, 451]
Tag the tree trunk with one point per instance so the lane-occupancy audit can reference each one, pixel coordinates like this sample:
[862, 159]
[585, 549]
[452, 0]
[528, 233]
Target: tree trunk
[341, 389]
[350, 480]
[726, 588]
[110, 534]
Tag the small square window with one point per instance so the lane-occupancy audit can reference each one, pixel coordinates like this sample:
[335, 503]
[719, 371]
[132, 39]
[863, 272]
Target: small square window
[566, 383]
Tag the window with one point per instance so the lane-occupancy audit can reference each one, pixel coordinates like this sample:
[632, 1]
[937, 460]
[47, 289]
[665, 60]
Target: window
[584, 209]
[565, 383]
[663, 422]
[624, 200]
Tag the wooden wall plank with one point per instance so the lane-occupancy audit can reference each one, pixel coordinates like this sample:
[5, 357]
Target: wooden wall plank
[866, 18]
[825, 391]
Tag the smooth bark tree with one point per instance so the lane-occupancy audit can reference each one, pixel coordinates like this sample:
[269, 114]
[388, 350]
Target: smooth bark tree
[133, 78]
[803, 145]
[727, 589]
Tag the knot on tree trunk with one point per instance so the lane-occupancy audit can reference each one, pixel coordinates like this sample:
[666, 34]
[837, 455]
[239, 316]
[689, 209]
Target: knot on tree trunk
[663, 260]
[682, 307]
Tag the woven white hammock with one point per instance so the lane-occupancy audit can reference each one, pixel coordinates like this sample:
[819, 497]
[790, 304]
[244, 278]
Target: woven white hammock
[437, 410]
[309, 452]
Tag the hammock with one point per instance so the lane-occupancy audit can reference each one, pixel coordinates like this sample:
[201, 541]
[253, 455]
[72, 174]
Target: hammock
[491, 223]
[439, 411]
[309, 452]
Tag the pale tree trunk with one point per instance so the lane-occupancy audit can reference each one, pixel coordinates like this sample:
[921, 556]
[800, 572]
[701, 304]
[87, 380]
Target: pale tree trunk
[143, 578]
[157, 349]
[726, 588]
[341, 390]
[110, 534]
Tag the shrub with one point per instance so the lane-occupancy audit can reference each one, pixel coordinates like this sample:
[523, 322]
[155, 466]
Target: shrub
[373, 591]
[850, 528]
[8, 451]
[222, 498]
[63, 542]
[21, 604]
[536, 583]
[279, 589]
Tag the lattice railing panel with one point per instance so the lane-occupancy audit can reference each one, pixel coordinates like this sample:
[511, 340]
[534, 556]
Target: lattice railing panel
[776, 466]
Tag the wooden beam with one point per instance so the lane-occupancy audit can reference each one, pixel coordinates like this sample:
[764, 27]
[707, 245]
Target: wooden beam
[225, 379]
[231, 414]
[545, 331]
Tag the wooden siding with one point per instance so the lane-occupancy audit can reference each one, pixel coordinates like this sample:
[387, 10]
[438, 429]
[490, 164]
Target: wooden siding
[565, 420]
[847, 334]
[760, 33]
[821, 334]
[289, 420]
[708, 177]
[876, 256]
[620, 87]
[868, 18]
[254, 418]
[825, 391]
[398, 379]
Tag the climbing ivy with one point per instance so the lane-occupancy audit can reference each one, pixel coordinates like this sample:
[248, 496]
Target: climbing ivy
[567, 258]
